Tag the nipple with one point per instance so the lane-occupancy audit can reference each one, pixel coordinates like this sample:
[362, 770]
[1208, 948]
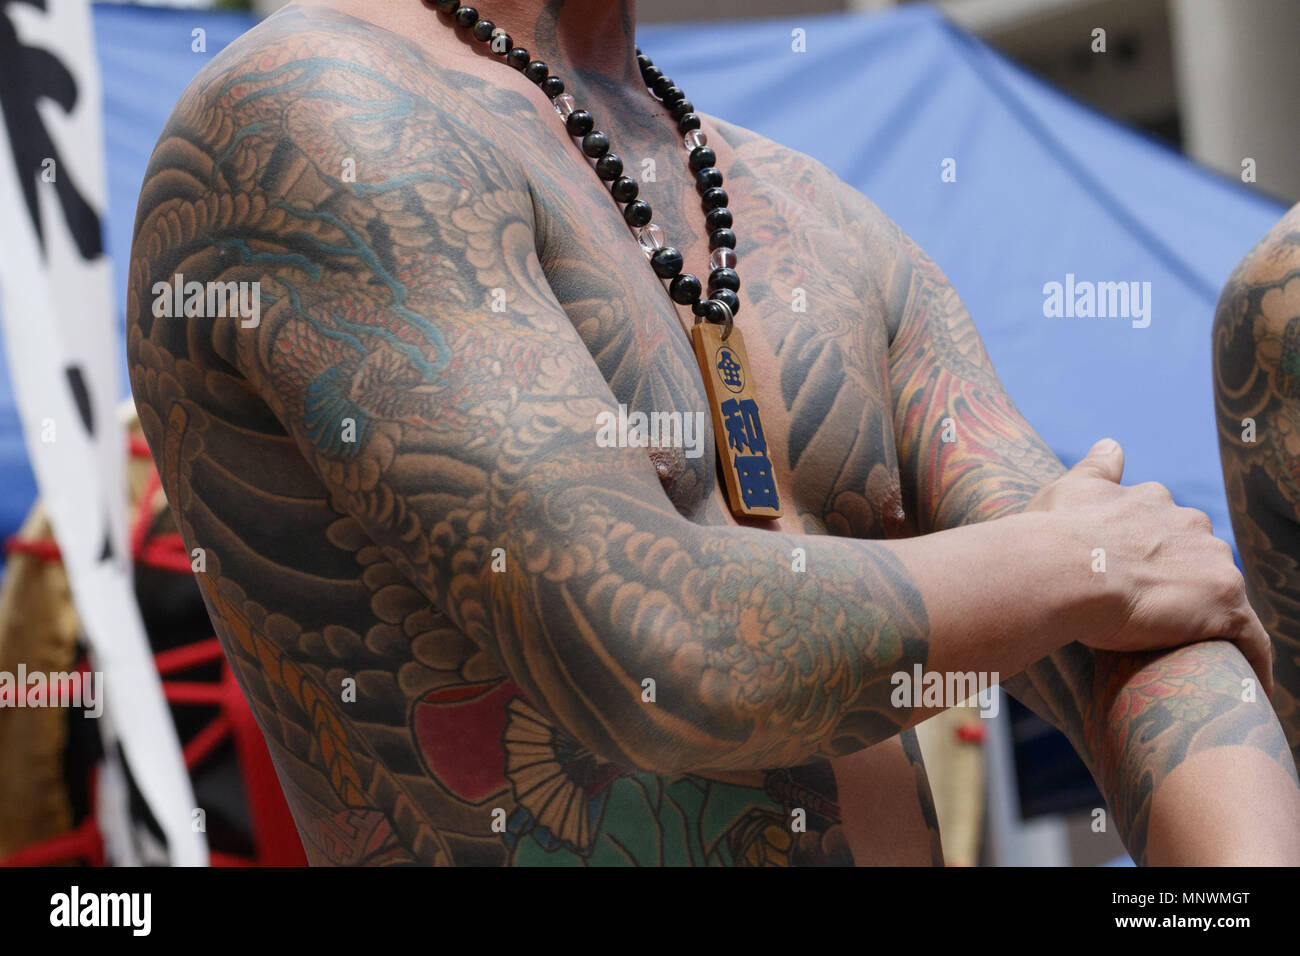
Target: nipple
[669, 464]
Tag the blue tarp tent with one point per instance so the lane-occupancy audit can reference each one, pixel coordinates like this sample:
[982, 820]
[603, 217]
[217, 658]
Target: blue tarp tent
[1044, 188]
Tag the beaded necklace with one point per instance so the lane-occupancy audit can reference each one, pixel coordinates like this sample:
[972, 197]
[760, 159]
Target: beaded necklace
[719, 347]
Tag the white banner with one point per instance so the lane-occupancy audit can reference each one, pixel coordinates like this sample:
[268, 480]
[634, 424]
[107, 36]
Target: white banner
[61, 336]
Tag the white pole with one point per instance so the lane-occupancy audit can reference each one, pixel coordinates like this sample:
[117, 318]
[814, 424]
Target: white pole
[1239, 86]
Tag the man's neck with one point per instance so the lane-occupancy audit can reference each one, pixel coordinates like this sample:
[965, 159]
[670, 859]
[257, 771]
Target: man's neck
[588, 41]
[590, 44]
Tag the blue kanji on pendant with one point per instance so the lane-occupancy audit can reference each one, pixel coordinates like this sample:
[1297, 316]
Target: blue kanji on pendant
[757, 486]
[744, 427]
[753, 470]
[730, 370]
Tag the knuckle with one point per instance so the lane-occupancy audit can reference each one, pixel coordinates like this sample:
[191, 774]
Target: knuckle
[1154, 491]
[1235, 623]
[1231, 586]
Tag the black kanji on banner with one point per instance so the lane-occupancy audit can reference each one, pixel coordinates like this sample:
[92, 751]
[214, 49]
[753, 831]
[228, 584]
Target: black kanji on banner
[27, 75]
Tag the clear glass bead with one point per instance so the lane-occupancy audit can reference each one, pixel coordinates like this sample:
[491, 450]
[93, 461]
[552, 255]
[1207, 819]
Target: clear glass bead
[565, 104]
[650, 237]
[695, 139]
[723, 258]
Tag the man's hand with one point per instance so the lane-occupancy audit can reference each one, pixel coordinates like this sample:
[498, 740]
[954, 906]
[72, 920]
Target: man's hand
[1167, 580]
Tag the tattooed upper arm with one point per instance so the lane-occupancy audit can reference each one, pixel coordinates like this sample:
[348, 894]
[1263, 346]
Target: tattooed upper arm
[462, 437]
[1257, 399]
[966, 452]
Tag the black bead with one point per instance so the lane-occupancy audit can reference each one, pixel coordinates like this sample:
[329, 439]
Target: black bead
[708, 178]
[483, 30]
[702, 156]
[682, 109]
[661, 86]
[719, 218]
[701, 308]
[673, 96]
[650, 74]
[467, 16]
[666, 262]
[685, 289]
[688, 122]
[715, 197]
[536, 71]
[722, 237]
[579, 123]
[609, 167]
[728, 297]
[501, 44]
[713, 312]
[595, 144]
[447, 6]
[643, 61]
[637, 213]
[724, 279]
[552, 86]
[624, 189]
[519, 58]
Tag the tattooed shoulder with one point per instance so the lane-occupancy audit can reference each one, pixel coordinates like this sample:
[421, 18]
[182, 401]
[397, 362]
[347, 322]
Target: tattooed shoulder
[1257, 402]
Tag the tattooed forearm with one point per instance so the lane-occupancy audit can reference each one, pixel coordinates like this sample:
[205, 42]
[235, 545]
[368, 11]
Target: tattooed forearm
[1133, 718]
[1257, 400]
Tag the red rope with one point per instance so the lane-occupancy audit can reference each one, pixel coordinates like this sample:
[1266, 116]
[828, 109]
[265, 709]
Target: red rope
[207, 740]
[166, 552]
[185, 656]
[81, 843]
[42, 550]
[193, 693]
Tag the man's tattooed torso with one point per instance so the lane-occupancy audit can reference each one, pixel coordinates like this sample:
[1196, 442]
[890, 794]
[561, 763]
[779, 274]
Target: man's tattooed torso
[356, 178]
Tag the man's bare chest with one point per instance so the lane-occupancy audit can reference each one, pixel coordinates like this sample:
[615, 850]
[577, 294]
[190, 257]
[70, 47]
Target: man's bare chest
[811, 323]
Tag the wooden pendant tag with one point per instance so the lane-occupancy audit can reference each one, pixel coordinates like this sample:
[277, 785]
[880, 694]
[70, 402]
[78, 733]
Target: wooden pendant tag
[737, 425]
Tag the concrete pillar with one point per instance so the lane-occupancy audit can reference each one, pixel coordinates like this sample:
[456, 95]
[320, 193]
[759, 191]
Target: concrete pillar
[1238, 79]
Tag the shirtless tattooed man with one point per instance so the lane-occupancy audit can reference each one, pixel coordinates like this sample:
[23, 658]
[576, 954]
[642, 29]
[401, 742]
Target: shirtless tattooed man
[444, 598]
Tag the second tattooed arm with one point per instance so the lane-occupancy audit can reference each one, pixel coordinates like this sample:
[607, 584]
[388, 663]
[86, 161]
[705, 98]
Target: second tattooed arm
[1257, 397]
[1166, 735]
